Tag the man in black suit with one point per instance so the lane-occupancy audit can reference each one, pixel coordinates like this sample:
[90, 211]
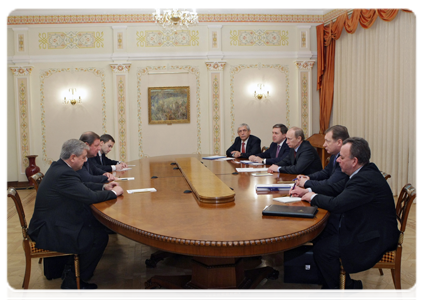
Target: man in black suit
[102, 161]
[332, 173]
[245, 144]
[368, 226]
[62, 219]
[278, 148]
[89, 171]
[302, 158]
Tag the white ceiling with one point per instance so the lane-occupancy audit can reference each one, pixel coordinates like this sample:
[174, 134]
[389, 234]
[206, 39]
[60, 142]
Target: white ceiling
[278, 11]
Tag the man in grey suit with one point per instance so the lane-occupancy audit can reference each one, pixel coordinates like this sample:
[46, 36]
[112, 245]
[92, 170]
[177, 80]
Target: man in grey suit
[62, 219]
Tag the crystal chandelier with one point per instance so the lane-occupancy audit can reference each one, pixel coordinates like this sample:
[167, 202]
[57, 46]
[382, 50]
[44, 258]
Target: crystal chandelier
[175, 19]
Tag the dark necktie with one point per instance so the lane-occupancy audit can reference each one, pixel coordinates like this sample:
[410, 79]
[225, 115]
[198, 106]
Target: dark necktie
[277, 151]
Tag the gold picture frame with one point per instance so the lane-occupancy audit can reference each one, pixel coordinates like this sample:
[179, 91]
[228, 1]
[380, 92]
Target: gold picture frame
[169, 105]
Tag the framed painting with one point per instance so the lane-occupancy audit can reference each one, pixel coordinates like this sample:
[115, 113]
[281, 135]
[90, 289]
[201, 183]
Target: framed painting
[168, 105]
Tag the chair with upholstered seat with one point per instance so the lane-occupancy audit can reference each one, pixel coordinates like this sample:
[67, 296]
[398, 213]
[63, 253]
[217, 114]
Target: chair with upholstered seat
[264, 148]
[392, 259]
[36, 179]
[29, 246]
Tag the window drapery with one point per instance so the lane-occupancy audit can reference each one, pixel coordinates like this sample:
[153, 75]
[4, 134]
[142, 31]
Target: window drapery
[326, 37]
[374, 91]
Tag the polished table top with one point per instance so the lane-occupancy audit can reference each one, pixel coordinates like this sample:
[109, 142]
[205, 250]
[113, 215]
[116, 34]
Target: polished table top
[177, 222]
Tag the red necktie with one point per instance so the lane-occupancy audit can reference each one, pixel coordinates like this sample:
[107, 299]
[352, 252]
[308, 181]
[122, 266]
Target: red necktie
[243, 148]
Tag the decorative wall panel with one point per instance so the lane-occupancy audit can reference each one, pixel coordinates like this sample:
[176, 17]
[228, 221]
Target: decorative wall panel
[70, 40]
[284, 69]
[168, 70]
[147, 18]
[167, 38]
[80, 117]
[22, 77]
[305, 85]
[216, 79]
[259, 38]
[121, 81]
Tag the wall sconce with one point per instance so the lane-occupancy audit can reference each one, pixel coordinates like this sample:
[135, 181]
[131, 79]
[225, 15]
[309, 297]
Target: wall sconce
[72, 97]
[262, 92]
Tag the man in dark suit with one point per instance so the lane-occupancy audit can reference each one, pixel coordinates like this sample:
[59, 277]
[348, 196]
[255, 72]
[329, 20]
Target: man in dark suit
[89, 171]
[101, 161]
[332, 173]
[278, 148]
[368, 226]
[62, 219]
[302, 158]
[245, 144]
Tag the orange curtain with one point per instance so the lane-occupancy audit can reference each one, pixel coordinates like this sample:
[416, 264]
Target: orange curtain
[326, 37]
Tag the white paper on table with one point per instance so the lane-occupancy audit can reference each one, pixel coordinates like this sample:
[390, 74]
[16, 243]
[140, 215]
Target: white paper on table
[124, 169]
[213, 157]
[287, 199]
[131, 165]
[123, 178]
[142, 190]
[248, 162]
[224, 158]
[251, 169]
[262, 174]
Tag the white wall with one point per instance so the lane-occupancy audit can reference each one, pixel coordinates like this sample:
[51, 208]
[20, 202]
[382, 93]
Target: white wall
[53, 70]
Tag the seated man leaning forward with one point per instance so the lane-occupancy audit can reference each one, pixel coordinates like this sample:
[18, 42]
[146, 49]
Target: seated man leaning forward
[102, 161]
[89, 171]
[332, 173]
[62, 219]
[368, 224]
[278, 148]
[245, 144]
[302, 157]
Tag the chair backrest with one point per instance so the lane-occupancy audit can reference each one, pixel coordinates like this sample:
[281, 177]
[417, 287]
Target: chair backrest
[386, 175]
[36, 179]
[12, 193]
[405, 200]
[264, 148]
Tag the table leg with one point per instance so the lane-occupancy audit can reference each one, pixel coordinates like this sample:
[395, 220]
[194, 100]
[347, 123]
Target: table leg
[215, 273]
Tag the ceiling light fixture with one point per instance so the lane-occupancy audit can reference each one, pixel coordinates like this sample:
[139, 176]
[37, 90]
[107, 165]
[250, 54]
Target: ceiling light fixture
[175, 19]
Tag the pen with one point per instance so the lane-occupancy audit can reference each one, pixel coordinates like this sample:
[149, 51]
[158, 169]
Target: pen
[293, 186]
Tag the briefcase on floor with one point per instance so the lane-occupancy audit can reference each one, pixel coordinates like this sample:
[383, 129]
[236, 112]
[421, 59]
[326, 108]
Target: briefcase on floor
[299, 266]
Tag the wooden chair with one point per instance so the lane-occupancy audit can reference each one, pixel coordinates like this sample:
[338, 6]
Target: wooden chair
[386, 175]
[36, 179]
[264, 148]
[29, 246]
[392, 259]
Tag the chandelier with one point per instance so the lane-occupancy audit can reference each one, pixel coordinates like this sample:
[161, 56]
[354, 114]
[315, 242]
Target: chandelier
[175, 19]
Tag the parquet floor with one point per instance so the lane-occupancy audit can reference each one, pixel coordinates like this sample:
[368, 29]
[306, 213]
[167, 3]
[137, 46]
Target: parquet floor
[123, 267]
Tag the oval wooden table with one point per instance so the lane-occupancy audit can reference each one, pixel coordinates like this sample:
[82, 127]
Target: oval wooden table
[217, 236]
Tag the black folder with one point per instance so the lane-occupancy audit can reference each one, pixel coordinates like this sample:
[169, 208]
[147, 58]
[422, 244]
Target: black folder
[290, 211]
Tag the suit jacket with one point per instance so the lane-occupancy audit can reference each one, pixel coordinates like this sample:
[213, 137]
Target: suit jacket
[62, 219]
[306, 161]
[368, 226]
[90, 173]
[270, 154]
[253, 146]
[330, 174]
[104, 163]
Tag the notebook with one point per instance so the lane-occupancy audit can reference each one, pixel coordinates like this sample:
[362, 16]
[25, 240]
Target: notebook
[290, 211]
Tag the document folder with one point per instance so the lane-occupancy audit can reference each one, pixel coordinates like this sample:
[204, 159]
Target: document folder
[290, 211]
